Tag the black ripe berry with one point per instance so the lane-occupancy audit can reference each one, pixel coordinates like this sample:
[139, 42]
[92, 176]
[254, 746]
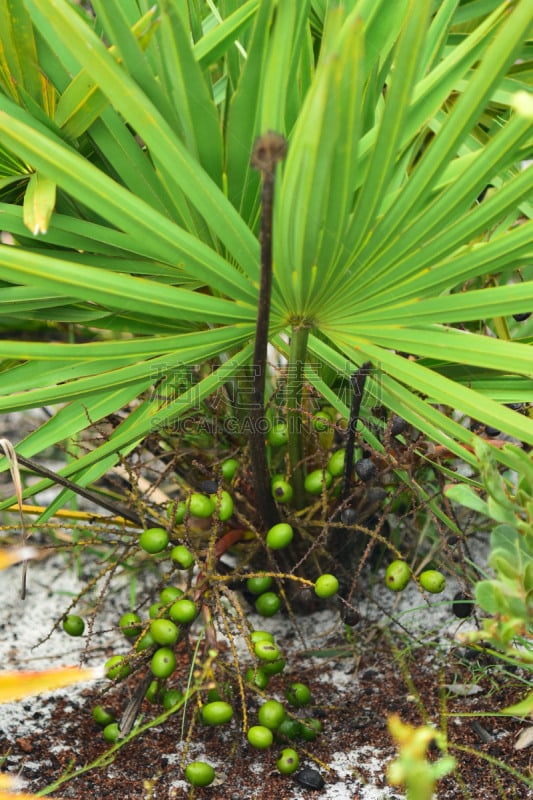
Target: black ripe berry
[349, 516]
[398, 425]
[490, 431]
[365, 468]
[209, 487]
[310, 778]
[462, 605]
[350, 616]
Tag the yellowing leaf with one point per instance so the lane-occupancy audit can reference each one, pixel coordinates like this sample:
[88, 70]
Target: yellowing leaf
[39, 202]
[12, 555]
[19, 683]
[523, 104]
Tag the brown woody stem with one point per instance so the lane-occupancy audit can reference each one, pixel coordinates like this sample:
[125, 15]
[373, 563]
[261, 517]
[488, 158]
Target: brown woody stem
[268, 150]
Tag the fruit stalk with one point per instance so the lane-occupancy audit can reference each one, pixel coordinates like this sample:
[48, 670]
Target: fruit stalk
[339, 536]
[268, 150]
[358, 380]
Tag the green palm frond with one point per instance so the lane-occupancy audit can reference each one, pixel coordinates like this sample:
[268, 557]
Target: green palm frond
[140, 219]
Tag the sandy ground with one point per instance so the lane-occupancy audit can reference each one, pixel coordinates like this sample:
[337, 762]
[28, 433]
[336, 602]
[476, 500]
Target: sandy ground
[28, 641]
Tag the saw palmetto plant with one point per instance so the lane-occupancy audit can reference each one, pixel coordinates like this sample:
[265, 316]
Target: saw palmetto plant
[189, 190]
[402, 236]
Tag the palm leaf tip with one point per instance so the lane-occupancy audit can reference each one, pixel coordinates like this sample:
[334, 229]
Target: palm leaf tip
[16, 684]
[523, 104]
[13, 555]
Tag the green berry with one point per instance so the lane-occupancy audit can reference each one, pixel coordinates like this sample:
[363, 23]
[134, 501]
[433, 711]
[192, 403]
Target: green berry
[289, 729]
[397, 575]
[169, 594]
[157, 610]
[336, 463]
[111, 732]
[182, 556]
[164, 631]
[273, 667]
[310, 729]
[223, 505]
[163, 662]
[73, 625]
[130, 625]
[279, 536]
[116, 668]
[278, 435]
[433, 581]
[228, 468]
[318, 480]
[200, 505]
[282, 491]
[259, 585]
[271, 714]
[288, 761]
[217, 713]
[326, 586]
[266, 651]
[198, 773]
[298, 694]
[260, 737]
[154, 540]
[183, 611]
[153, 693]
[213, 695]
[103, 716]
[256, 676]
[261, 636]
[267, 604]
[171, 698]
[177, 511]
[145, 642]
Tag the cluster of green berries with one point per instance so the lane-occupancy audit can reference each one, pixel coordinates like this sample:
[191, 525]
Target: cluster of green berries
[398, 575]
[267, 602]
[157, 636]
[319, 480]
[275, 724]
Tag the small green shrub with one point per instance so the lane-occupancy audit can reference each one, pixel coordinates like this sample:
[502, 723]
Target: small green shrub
[507, 598]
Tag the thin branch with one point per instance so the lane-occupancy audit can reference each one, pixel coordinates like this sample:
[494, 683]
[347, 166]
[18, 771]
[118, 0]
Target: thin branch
[116, 508]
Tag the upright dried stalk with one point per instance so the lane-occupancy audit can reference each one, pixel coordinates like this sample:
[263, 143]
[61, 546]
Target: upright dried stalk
[268, 150]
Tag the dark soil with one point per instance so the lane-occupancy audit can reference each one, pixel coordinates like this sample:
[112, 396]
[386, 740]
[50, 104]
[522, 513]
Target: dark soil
[354, 714]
